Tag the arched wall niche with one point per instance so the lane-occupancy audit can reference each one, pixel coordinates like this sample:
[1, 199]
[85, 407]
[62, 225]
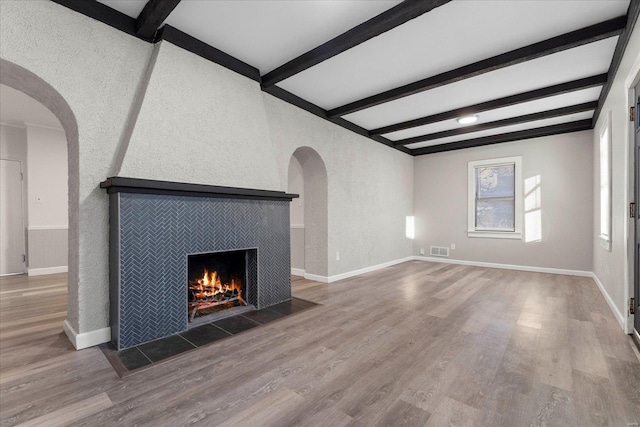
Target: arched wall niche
[314, 173]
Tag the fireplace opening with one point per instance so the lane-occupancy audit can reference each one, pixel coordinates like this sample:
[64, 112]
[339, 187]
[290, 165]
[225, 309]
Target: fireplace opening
[217, 282]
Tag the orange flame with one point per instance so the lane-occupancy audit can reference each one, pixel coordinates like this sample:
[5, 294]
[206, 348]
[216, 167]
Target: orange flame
[210, 285]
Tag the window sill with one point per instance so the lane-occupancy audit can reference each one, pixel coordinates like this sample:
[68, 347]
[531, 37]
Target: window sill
[516, 235]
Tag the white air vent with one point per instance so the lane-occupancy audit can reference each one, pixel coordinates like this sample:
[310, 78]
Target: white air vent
[438, 251]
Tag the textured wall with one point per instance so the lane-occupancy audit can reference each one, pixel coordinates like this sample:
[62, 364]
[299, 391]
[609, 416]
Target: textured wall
[609, 266]
[563, 166]
[370, 187]
[199, 123]
[96, 70]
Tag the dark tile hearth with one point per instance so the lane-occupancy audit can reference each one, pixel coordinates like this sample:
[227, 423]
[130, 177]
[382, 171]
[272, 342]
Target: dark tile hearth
[263, 316]
[165, 347]
[204, 334]
[235, 324]
[136, 358]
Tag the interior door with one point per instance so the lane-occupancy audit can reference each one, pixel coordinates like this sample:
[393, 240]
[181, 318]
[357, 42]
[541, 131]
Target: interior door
[636, 318]
[11, 219]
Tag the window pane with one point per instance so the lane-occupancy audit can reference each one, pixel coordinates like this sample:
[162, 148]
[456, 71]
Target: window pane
[495, 214]
[495, 181]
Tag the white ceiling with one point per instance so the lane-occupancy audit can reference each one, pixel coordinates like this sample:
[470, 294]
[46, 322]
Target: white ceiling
[267, 34]
[451, 36]
[573, 64]
[16, 109]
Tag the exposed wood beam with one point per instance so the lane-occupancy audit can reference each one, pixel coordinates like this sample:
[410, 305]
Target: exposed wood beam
[388, 20]
[153, 15]
[621, 46]
[506, 137]
[193, 45]
[315, 110]
[557, 112]
[507, 101]
[550, 46]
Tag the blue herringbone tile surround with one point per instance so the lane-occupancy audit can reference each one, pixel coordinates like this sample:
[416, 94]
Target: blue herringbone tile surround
[157, 232]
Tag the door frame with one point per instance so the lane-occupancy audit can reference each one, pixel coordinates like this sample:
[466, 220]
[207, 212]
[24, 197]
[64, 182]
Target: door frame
[22, 218]
[634, 142]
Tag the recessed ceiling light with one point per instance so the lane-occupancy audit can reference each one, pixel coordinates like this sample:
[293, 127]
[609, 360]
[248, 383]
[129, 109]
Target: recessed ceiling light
[467, 119]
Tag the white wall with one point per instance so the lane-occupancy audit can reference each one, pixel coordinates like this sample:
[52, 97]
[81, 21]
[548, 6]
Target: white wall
[47, 177]
[296, 186]
[611, 267]
[296, 214]
[198, 123]
[96, 70]
[563, 165]
[203, 123]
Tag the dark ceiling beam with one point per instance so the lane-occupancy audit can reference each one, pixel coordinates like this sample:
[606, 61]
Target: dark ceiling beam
[542, 115]
[506, 137]
[507, 101]
[550, 46]
[153, 15]
[388, 20]
[621, 46]
[317, 111]
[193, 45]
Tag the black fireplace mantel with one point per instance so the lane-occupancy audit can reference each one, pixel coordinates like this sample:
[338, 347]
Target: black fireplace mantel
[119, 184]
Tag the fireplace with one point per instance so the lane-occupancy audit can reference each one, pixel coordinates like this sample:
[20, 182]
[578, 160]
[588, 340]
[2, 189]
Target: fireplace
[160, 231]
[217, 284]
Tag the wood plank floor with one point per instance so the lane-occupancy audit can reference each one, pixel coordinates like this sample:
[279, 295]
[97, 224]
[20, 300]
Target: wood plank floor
[414, 344]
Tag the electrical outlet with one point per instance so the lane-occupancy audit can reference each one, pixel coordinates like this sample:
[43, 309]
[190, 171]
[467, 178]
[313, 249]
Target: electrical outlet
[421, 251]
[337, 256]
[453, 246]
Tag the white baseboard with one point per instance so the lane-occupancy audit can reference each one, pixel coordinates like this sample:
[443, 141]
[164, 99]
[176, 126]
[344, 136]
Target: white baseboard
[86, 339]
[297, 272]
[619, 316]
[342, 276]
[47, 270]
[348, 274]
[316, 278]
[507, 266]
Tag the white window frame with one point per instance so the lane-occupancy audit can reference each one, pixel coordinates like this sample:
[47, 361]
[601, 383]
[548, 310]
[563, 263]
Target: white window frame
[605, 183]
[519, 207]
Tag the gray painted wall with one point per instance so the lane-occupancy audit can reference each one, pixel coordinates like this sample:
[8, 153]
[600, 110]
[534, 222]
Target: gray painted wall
[563, 164]
[198, 123]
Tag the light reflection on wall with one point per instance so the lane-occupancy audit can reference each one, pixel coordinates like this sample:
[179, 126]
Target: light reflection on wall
[532, 209]
[410, 227]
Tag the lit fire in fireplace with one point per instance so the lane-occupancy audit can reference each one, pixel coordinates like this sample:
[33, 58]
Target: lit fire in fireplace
[209, 291]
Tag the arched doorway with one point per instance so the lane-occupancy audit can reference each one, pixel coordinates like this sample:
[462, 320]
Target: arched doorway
[308, 175]
[25, 81]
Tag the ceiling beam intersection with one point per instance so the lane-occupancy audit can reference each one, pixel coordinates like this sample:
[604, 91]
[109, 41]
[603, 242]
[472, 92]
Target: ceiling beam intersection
[506, 137]
[550, 46]
[542, 115]
[507, 101]
[388, 20]
[153, 15]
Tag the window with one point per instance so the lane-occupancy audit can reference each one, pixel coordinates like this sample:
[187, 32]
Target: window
[495, 198]
[605, 184]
